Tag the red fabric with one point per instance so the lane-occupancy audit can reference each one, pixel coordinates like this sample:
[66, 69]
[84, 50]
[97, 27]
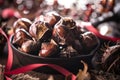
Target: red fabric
[23, 69]
[10, 55]
[94, 30]
[9, 12]
[34, 66]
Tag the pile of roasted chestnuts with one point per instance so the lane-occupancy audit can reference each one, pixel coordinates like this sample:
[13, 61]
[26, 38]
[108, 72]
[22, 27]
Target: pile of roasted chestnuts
[52, 35]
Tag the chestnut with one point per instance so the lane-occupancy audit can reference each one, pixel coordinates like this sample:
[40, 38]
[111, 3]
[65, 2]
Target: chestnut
[27, 46]
[22, 23]
[20, 36]
[48, 49]
[68, 22]
[40, 31]
[63, 36]
[59, 34]
[52, 18]
[30, 47]
[89, 40]
[64, 33]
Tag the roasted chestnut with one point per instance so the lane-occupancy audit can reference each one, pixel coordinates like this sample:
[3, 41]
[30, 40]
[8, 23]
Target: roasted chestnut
[59, 34]
[51, 35]
[52, 18]
[20, 36]
[22, 23]
[89, 40]
[30, 47]
[68, 22]
[48, 49]
[40, 30]
[63, 36]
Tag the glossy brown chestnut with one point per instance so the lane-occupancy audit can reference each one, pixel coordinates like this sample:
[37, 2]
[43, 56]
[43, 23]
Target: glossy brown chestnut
[59, 34]
[48, 49]
[89, 40]
[22, 23]
[68, 22]
[40, 30]
[27, 46]
[20, 36]
[52, 18]
[64, 36]
[30, 47]
[71, 26]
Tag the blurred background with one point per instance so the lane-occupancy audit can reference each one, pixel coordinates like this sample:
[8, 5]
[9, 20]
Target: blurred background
[102, 14]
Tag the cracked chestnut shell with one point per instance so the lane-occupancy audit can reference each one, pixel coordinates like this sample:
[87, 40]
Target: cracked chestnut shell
[52, 18]
[68, 22]
[48, 49]
[59, 34]
[40, 31]
[63, 36]
[20, 36]
[70, 25]
[30, 47]
[22, 23]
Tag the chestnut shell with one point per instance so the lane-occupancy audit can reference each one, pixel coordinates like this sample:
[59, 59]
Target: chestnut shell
[30, 47]
[40, 31]
[48, 49]
[52, 18]
[22, 23]
[20, 36]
